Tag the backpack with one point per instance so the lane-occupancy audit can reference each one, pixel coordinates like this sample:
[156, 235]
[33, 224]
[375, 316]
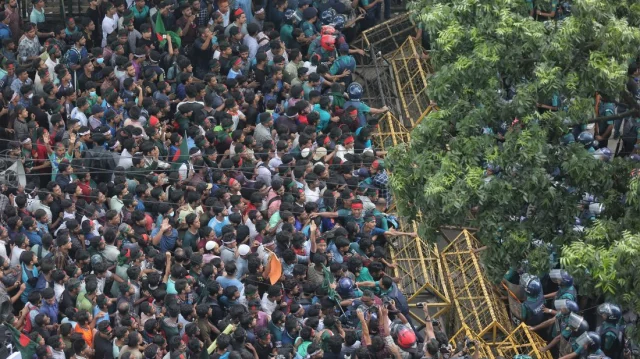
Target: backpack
[39, 253]
[28, 326]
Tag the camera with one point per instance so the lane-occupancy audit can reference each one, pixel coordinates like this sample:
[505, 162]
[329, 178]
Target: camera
[469, 343]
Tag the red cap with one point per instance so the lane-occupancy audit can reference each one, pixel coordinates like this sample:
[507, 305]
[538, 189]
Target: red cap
[153, 121]
[238, 12]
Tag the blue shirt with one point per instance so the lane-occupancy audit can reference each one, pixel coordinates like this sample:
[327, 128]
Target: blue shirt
[167, 243]
[217, 225]
[97, 310]
[34, 237]
[25, 279]
[226, 282]
[181, 92]
[51, 310]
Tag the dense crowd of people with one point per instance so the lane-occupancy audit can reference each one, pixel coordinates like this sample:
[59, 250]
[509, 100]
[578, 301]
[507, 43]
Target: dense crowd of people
[201, 182]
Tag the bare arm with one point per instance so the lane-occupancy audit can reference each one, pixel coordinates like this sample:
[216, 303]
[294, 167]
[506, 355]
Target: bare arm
[551, 344]
[365, 329]
[312, 236]
[545, 324]
[167, 269]
[17, 296]
[428, 326]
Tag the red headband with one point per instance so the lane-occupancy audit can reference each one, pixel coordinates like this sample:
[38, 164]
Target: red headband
[354, 112]
[356, 206]
[232, 181]
[238, 61]
[348, 140]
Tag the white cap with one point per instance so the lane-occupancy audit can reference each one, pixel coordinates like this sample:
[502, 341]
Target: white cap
[244, 249]
[211, 245]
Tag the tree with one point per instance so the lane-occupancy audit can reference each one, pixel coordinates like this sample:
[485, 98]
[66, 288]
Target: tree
[606, 269]
[490, 158]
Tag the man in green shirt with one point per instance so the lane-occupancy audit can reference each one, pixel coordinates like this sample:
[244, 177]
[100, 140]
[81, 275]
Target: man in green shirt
[191, 235]
[87, 299]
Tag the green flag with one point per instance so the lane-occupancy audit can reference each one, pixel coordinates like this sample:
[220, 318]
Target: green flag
[182, 154]
[26, 346]
[160, 30]
[327, 280]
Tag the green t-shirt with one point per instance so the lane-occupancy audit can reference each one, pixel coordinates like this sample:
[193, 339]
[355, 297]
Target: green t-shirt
[190, 240]
[83, 303]
[286, 34]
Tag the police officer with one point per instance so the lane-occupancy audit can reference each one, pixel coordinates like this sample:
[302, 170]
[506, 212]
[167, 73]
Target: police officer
[343, 64]
[308, 26]
[286, 31]
[589, 142]
[611, 331]
[561, 331]
[355, 94]
[587, 344]
[532, 308]
[564, 280]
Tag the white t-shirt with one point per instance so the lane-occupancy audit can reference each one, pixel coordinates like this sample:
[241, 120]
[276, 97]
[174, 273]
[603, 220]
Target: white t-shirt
[108, 26]
[312, 195]
[268, 306]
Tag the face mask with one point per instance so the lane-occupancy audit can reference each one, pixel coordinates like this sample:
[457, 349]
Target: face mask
[100, 60]
[92, 94]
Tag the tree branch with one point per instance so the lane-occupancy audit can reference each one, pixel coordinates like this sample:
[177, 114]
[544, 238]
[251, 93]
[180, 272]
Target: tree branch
[615, 117]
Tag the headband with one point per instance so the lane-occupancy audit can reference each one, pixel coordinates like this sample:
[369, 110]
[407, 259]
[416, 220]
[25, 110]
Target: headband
[356, 206]
[354, 112]
[199, 153]
[139, 56]
[15, 94]
[26, 141]
[84, 133]
[232, 181]
[115, 145]
[231, 241]
[238, 61]
[260, 11]
[348, 140]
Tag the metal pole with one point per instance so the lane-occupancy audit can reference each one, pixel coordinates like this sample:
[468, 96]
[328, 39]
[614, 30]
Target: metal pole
[63, 11]
[375, 65]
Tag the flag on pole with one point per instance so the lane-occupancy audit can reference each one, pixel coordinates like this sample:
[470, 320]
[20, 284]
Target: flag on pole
[160, 31]
[182, 154]
[26, 346]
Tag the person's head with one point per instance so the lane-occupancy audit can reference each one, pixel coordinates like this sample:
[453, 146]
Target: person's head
[30, 31]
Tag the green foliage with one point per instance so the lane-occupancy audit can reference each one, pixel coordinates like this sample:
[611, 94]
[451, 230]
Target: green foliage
[482, 49]
[606, 269]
